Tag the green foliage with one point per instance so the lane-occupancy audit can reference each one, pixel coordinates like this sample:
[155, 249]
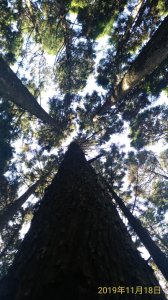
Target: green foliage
[111, 166]
[74, 66]
[162, 7]
[149, 126]
[11, 241]
[76, 5]
[97, 18]
[10, 30]
[7, 135]
[148, 175]
[104, 126]
[44, 25]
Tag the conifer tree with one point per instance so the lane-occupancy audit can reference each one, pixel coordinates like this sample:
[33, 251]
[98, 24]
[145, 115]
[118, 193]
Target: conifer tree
[77, 243]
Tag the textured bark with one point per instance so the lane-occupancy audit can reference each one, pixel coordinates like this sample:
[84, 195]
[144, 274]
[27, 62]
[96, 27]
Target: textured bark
[149, 59]
[7, 214]
[76, 243]
[11, 88]
[158, 256]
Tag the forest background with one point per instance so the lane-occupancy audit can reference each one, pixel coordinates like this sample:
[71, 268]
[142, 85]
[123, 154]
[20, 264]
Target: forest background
[100, 70]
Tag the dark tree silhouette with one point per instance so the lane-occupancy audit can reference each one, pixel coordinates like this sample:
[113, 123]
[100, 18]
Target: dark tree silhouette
[76, 243]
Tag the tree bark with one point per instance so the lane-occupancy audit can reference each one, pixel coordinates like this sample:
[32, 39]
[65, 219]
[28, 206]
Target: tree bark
[11, 88]
[7, 214]
[149, 59]
[76, 244]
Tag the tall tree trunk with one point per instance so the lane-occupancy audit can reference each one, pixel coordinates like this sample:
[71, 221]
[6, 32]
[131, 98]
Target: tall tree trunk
[76, 244]
[149, 59]
[11, 88]
[7, 214]
[158, 256]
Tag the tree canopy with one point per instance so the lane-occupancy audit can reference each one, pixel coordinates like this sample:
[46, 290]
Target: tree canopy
[91, 71]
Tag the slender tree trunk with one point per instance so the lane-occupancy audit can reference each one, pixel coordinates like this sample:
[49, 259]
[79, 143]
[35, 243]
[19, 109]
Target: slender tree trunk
[149, 59]
[76, 244]
[158, 256]
[162, 240]
[7, 214]
[159, 174]
[11, 88]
